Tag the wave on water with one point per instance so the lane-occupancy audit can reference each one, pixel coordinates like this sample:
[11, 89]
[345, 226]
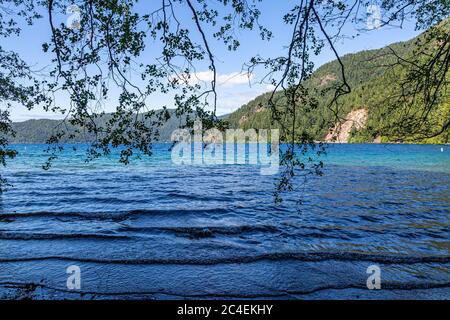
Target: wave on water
[55, 236]
[119, 215]
[372, 206]
[276, 256]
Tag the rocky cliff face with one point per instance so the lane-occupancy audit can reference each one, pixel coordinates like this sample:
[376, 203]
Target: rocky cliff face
[341, 131]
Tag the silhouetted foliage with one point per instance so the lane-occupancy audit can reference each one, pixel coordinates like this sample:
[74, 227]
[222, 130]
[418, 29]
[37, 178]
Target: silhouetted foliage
[108, 46]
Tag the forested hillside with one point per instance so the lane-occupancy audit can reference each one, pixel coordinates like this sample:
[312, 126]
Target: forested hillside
[373, 77]
[39, 131]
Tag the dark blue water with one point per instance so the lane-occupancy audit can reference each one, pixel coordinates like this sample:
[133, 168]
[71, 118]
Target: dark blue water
[156, 230]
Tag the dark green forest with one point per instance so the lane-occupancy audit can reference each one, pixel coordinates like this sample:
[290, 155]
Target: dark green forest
[375, 77]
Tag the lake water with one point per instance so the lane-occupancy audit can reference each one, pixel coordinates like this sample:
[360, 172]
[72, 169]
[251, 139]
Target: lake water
[156, 230]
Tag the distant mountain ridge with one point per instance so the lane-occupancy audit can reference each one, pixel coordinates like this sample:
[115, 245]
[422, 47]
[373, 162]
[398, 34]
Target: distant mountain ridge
[40, 130]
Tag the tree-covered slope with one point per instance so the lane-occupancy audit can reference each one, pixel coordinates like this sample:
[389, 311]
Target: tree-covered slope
[40, 131]
[373, 76]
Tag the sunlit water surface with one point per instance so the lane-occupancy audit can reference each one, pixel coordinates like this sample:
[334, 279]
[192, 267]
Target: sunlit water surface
[156, 230]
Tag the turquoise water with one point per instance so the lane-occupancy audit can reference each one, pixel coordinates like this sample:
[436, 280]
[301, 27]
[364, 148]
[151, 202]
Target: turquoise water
[403, 157]
[153, 229]
[410, 157]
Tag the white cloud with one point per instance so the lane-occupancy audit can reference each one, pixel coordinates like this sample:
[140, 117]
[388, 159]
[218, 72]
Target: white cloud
[231, 101]
[230, 88]
[269, 87]
[234, 89]
[224, 80]
[234, 78]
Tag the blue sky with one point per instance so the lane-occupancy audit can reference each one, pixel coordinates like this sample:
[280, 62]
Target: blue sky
[234, 88]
